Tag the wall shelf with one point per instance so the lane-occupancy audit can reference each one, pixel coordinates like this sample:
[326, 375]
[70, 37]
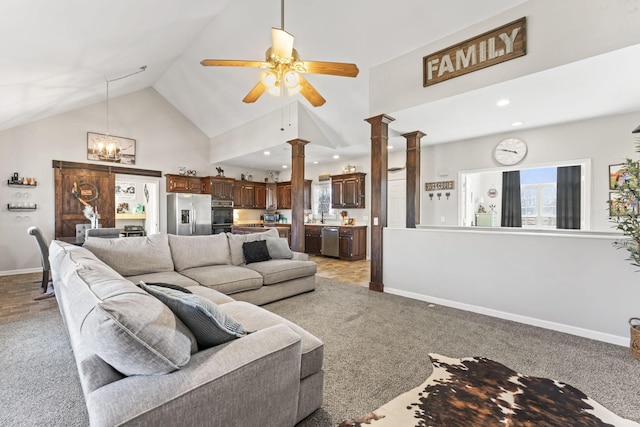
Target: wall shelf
[13, 184]
[21, 209]
[131, 216]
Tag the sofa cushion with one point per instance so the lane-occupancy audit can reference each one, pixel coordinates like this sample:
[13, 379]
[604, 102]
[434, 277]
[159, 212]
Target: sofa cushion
[236, 241]
[128, 328]
[281, 270]
[278, 247]
[132, 256]
[210, 325]
[199, 251]
[227, 279]
[257, 318]
[255, 251]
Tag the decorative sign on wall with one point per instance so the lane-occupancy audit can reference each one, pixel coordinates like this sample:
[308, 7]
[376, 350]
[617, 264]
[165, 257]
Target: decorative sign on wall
[491, 48]
[440, 185]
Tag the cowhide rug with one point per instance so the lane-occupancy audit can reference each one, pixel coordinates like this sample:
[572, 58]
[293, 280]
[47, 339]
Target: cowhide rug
[476, 391]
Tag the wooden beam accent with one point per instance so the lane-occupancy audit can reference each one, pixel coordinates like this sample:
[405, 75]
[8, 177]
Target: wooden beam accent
[59, 164]
[379, 163]
[297, 194]
[413, 177]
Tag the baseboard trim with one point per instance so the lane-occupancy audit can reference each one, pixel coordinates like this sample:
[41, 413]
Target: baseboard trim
[23, 271]
[581, 332]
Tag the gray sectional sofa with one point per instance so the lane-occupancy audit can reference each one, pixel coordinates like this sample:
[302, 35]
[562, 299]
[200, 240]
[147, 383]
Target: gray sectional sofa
[139, 364]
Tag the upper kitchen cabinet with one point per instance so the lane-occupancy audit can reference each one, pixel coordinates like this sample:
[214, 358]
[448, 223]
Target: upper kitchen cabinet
[284, 194]
[185, 184]
[250, 195]
[347, 191]
[221, 188]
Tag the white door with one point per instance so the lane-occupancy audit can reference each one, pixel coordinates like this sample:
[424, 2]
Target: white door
[397, 204]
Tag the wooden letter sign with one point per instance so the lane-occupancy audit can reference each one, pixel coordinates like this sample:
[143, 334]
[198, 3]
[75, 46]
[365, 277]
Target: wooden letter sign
[491, 48]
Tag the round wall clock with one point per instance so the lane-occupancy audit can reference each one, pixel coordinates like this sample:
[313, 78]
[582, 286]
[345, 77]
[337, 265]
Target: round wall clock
[510, 151]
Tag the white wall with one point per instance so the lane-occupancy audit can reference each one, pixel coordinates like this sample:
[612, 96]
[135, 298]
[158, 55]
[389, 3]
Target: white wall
[165, 140]
[577, 284]
[601, 27]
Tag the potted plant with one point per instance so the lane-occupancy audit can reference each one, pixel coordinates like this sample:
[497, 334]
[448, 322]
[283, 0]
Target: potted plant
[625, 213]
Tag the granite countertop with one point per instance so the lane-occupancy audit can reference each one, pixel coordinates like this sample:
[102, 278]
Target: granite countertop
[335, 225]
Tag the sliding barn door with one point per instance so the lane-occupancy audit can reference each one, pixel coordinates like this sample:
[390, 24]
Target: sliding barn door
[76, 188]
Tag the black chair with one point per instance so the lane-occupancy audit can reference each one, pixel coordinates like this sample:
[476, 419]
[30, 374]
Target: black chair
[44, 257]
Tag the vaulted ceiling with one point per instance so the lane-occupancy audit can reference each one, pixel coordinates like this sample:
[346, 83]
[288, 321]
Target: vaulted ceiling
[56, 56]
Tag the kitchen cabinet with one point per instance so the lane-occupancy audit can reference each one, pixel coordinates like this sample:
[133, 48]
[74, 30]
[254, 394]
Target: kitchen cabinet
[271, 196]
[244, 195]
[312, 239]
[221, 188]
[347, 191]
[185, 184]
[353, 243]
[260, 197]
[284, 194]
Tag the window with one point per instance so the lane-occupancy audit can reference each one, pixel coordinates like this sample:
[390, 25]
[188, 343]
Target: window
[481, 191]
[322, 201]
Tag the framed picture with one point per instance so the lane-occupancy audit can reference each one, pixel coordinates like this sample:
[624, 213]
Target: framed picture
[617, 176]
[618, 207]
[125, 190]
[109, 148]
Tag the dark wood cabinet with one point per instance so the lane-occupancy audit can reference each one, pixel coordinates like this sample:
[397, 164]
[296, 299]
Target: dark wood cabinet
[250, 195]
[244, 195]
[284, 194]
[347, 191]
[221, 188]
[352, 243]
[185, 184]
[312, 239]
[260, 196]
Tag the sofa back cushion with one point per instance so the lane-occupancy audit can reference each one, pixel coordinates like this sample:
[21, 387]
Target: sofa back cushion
[129, 329]
[237, 240]
[131, 256]
[199, 251]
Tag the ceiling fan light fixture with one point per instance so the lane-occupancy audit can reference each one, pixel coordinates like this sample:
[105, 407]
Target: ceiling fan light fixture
[269, 79]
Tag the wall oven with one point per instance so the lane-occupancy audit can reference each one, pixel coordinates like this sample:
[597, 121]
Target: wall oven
[221, 216]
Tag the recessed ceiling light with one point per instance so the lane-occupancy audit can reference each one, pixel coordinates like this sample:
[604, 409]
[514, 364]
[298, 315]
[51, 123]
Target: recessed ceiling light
[267, 153]
[389, 147]
[284, 166]
[502, 102]
[315, 162]
[336, 156]
[517, 123]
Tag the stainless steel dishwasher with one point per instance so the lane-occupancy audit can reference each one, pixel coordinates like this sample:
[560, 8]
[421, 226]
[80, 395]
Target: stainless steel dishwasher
[330, 241]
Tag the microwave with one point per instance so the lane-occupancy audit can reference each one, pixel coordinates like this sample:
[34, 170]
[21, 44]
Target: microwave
[268, 217]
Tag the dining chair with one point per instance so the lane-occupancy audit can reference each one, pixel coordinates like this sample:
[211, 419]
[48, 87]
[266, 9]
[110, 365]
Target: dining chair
[44, 256]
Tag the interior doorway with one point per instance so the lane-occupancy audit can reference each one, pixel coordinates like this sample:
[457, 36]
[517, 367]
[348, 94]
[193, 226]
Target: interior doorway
[397, 204]
[137, 202]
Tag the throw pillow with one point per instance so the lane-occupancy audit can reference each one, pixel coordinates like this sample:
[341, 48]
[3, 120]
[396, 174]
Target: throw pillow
[255, 251]
[170, 286]
[278, 248]
[209, 324]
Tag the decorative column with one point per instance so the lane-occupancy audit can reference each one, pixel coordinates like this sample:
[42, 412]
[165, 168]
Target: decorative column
[379, 164]
[297, 194]
[413, 177]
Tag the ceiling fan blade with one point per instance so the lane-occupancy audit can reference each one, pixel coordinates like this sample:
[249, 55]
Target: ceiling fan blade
[255, 93]
[310, 93]
[282, 43]
[231, 63]
[333, 68]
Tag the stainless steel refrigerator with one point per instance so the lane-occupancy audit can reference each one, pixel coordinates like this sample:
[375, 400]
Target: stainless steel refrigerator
[188, 214]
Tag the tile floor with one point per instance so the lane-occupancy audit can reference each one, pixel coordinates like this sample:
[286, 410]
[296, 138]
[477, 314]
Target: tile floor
[17, 292]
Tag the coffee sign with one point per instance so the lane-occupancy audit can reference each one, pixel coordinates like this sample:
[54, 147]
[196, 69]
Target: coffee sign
[491, 48]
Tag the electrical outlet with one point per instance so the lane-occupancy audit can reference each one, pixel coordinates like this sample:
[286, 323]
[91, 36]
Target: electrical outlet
[442, 219]
[375, 220]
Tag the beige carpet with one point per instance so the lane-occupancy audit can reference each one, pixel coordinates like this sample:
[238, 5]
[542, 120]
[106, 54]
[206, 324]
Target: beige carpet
[477, 391]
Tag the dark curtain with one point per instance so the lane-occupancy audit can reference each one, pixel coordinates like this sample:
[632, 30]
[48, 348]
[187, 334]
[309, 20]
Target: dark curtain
[511, 204]
[568, 197]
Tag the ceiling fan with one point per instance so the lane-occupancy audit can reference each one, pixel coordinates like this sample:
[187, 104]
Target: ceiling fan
[284, 69]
